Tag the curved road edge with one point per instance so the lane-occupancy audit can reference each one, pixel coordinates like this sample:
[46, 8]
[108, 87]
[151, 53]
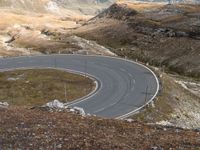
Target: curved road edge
[99, 87]
[97, 81]
[152, 99]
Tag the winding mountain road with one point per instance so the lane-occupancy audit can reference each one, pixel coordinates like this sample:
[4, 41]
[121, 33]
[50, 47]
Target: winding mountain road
[123, 86]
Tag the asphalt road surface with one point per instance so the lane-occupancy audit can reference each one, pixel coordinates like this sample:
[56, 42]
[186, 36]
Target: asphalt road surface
[123, 86]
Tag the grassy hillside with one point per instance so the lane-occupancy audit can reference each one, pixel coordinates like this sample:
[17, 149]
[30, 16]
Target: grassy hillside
[162, 35]
[33, 25]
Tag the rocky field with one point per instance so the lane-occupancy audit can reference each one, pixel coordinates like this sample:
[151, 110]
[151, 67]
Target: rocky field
[21, 128]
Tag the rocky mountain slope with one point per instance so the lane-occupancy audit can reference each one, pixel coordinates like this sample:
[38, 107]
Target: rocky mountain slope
[28, 27]
[166, 36]
[163, 35]
[174, 1]
[36, 5]
[89, 7]
[22, 128]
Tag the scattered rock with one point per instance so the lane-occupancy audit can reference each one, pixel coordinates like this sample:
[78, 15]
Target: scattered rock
[80, 111]
[56, 104]
[4, 105]
[164, 123]
[12, 79]
[152, 104]
[59, 106]
[129, 120]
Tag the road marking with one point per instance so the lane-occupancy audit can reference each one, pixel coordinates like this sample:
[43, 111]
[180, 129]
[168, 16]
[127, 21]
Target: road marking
[133, 88]
[108, 106]
[133, 81]
[124, 115]
[101, 109]
[122, 69]
[130, 75]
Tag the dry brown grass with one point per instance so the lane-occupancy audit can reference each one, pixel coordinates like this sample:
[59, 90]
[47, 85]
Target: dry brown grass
[172, 19]
[189, 8]
[39, 86]
[9, 19]
[137, 36]
[141, 6]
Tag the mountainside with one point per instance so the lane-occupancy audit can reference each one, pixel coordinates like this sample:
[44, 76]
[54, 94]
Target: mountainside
[24, 4]
[162, 35]
[22, 128]
[173, 1]
[89, 7]
[38, 20]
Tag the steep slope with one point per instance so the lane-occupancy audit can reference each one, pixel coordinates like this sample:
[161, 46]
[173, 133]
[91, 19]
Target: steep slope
[29, 26]
[162, 35]
[22, 128]
[36, 5]
[174, 1]
[89, 7]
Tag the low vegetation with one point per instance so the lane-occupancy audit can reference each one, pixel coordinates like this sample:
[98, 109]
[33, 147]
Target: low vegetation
[166, 36]
[174, 105]
[35, 129]
[39, 86]
[162, 35]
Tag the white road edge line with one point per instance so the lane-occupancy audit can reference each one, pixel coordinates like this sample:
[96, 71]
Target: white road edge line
[113, 57]
[98, 83]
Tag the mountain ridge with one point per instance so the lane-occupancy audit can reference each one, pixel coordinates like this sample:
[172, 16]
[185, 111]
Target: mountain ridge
[88, 7]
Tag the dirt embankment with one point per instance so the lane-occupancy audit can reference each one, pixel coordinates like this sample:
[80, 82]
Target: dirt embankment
[35, 129]
[162, 35]
[176, 104]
